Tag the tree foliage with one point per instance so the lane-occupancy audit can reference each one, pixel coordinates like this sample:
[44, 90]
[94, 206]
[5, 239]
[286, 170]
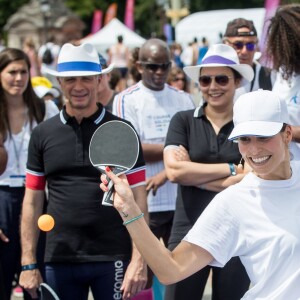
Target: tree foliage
[220, 4]
[7, 8]
[149, 16]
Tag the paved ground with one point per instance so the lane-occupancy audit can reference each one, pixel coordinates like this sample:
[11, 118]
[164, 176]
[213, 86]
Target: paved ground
[207, 294]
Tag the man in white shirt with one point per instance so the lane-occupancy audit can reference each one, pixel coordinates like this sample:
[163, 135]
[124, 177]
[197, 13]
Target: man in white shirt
[149, 105]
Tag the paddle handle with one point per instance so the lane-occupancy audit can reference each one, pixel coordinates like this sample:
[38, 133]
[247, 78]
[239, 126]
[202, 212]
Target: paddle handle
[107, 199]
[108, 196]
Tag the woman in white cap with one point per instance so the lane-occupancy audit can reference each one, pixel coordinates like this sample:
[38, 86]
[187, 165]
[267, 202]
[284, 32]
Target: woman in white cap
[199, 157]
[257, 219]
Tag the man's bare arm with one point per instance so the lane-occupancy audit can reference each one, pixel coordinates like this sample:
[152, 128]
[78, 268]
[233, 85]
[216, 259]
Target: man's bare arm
[32, 208]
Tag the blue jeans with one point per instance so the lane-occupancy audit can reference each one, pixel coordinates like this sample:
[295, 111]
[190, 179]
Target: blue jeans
[72, 280]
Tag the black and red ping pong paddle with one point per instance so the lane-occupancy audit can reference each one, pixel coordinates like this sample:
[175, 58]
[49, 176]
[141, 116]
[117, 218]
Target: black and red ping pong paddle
[114, 144]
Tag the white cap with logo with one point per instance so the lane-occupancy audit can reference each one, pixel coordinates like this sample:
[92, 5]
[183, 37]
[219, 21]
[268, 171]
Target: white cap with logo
[259, 113]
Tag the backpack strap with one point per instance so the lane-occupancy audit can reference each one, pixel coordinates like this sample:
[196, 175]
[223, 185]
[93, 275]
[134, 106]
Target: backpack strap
[264, 78]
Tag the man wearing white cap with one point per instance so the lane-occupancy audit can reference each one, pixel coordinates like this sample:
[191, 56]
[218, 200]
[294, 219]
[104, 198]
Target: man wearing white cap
[256, 219]
[88, 247]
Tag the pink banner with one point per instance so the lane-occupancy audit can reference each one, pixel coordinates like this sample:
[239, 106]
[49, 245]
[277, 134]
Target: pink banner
[111, 13]
[129, 14]
[270, 6]
[97, 21]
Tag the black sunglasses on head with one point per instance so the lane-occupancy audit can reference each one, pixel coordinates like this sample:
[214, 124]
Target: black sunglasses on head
[206, 80]
[154, 67]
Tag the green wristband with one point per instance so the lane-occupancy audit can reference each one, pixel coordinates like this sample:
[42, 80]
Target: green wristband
[133, 219]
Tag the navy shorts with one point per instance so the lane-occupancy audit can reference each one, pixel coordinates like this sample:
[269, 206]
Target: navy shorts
[73, 280]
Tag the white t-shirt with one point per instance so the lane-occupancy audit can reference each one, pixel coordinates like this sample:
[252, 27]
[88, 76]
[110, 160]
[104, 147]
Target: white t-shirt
[150, 113]
[259, 221]
[289, 90]
[17, 148]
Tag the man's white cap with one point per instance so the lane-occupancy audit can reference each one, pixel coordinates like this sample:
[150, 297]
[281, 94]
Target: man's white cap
[82, 60]
[259, 113]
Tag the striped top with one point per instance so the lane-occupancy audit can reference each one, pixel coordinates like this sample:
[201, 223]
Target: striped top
[150, 113]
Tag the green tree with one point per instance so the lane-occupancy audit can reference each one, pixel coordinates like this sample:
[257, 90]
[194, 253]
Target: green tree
[147, 13]
[220, 4]
[85, 9]
[8, 8]
[149, 17]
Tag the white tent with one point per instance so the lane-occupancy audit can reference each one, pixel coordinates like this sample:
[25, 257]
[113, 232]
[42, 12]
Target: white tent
[211, 24]
[107, 36]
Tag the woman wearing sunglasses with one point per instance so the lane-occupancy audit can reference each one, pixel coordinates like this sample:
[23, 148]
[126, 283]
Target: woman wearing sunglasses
[256, 219]
[200, 158]
[177, 79]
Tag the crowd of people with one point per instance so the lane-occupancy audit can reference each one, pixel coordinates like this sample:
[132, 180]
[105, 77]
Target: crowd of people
[214, 190]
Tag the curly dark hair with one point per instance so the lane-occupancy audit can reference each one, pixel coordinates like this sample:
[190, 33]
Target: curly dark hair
[32, 101]
[283, 44]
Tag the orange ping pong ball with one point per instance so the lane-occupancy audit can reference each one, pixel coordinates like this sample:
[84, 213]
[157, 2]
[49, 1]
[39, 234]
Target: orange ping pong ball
[46, 222]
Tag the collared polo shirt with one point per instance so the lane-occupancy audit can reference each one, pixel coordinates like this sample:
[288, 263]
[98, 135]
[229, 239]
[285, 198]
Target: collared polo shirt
[84, 229]
[194, 131]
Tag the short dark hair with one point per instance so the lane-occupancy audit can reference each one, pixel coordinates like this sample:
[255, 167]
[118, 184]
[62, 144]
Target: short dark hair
[120, 38]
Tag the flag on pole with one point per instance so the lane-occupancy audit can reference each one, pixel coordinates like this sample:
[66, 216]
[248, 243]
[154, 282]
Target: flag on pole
[129, 14]
[110, 13]
[97, 21]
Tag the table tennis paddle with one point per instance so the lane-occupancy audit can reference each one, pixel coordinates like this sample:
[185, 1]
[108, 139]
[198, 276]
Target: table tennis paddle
[46, 292]
[114, 144]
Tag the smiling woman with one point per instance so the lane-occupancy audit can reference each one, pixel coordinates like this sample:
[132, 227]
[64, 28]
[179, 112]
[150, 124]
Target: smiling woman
[263, 136]
[202, 161]
[20, 111]
[256, 219]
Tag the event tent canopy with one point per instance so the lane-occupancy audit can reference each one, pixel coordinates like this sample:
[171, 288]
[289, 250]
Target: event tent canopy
[211, 24]
[107, 36]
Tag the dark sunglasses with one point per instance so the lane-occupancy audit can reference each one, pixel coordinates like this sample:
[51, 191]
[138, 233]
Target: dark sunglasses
[179, 79]
[240, 45]
[206, 80]
[154, 67]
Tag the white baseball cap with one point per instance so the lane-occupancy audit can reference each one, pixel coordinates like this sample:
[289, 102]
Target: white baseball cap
[42, 91]
[259, 113]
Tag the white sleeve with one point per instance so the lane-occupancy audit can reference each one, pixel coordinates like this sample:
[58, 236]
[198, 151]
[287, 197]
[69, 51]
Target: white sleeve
[51, 109]
[216, 231]
[189, 103]
[124, 108]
